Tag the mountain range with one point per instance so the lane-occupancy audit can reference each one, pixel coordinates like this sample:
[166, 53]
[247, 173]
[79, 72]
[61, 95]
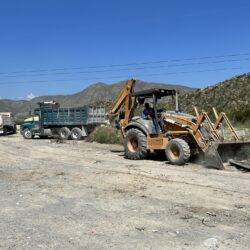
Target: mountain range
[231, 96]
[89, 96]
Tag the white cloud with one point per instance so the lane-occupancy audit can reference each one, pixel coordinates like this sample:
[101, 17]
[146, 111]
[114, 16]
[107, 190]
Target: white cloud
[30, 96]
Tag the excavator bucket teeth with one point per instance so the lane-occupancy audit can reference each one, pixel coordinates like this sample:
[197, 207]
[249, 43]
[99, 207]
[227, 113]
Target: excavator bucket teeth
[219, 153]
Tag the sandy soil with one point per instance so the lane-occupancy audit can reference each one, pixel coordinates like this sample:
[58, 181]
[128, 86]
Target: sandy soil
[79, 195]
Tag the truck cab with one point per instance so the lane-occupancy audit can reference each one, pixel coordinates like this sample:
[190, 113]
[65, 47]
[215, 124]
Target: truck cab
[29, 127]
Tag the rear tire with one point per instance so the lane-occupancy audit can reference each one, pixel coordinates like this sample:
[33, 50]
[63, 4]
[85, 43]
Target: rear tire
[27, 134]
[64, 133]
[76, 134]
[14, 130]
[5, 131]
[177, 151]
[135, 144]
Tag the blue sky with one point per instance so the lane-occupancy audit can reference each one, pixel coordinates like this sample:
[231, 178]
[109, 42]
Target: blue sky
[50, 46]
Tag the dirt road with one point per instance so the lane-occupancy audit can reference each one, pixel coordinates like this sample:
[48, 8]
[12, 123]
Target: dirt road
[80, 195]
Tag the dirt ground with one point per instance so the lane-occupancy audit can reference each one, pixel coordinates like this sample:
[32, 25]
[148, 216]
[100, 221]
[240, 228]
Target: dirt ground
[79, 195]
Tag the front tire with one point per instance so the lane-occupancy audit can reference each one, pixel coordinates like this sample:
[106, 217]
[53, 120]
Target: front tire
[177, 151]
[27, 134]
[135, 144]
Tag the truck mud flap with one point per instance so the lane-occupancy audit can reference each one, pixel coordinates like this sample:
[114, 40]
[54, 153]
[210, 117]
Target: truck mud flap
[219, 153]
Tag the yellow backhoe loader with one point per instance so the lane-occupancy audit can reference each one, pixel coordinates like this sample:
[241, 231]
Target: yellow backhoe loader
[177, 134]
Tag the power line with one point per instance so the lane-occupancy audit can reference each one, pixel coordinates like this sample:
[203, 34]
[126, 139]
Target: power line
[127, 64]
[136, 68]
[131, 76]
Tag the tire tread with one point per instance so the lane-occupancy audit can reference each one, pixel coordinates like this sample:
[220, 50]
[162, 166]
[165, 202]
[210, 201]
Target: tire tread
[142, 152]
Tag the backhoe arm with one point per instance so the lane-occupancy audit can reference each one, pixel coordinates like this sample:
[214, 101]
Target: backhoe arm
[127, 89]
[121, 99]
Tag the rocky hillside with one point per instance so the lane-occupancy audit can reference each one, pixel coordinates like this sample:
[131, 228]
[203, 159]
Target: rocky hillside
[91, 95]
[231, 96]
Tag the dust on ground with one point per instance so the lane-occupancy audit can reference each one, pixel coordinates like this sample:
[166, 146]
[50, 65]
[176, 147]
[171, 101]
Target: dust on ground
[79, 195]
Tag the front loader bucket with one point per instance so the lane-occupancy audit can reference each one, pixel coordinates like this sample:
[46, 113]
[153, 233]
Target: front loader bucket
[218, 153]
[212, 157]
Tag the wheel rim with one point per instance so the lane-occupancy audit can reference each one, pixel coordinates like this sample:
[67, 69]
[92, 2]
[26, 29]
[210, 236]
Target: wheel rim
[174, 152]
[75, 135]
[28, 134]
[132, 144]
[63, 134]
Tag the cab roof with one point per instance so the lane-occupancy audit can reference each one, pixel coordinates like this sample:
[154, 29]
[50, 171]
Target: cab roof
[158, 92]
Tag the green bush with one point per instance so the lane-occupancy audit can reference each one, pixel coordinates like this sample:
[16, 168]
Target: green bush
[106, 135]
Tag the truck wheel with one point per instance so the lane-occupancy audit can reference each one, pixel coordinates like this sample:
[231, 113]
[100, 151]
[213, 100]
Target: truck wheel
[64, 133]
[177, 151]
[27, 134]
[135, 144]
[5, 131]
[76, 134]
[14, 131]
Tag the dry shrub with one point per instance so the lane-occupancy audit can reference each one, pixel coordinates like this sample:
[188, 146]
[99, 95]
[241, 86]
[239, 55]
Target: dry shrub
[106, 135]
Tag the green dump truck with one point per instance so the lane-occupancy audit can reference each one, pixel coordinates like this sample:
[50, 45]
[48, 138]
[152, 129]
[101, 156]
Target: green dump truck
[49, 120]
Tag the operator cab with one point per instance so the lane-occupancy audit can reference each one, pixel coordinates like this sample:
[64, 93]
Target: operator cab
[155, 94]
